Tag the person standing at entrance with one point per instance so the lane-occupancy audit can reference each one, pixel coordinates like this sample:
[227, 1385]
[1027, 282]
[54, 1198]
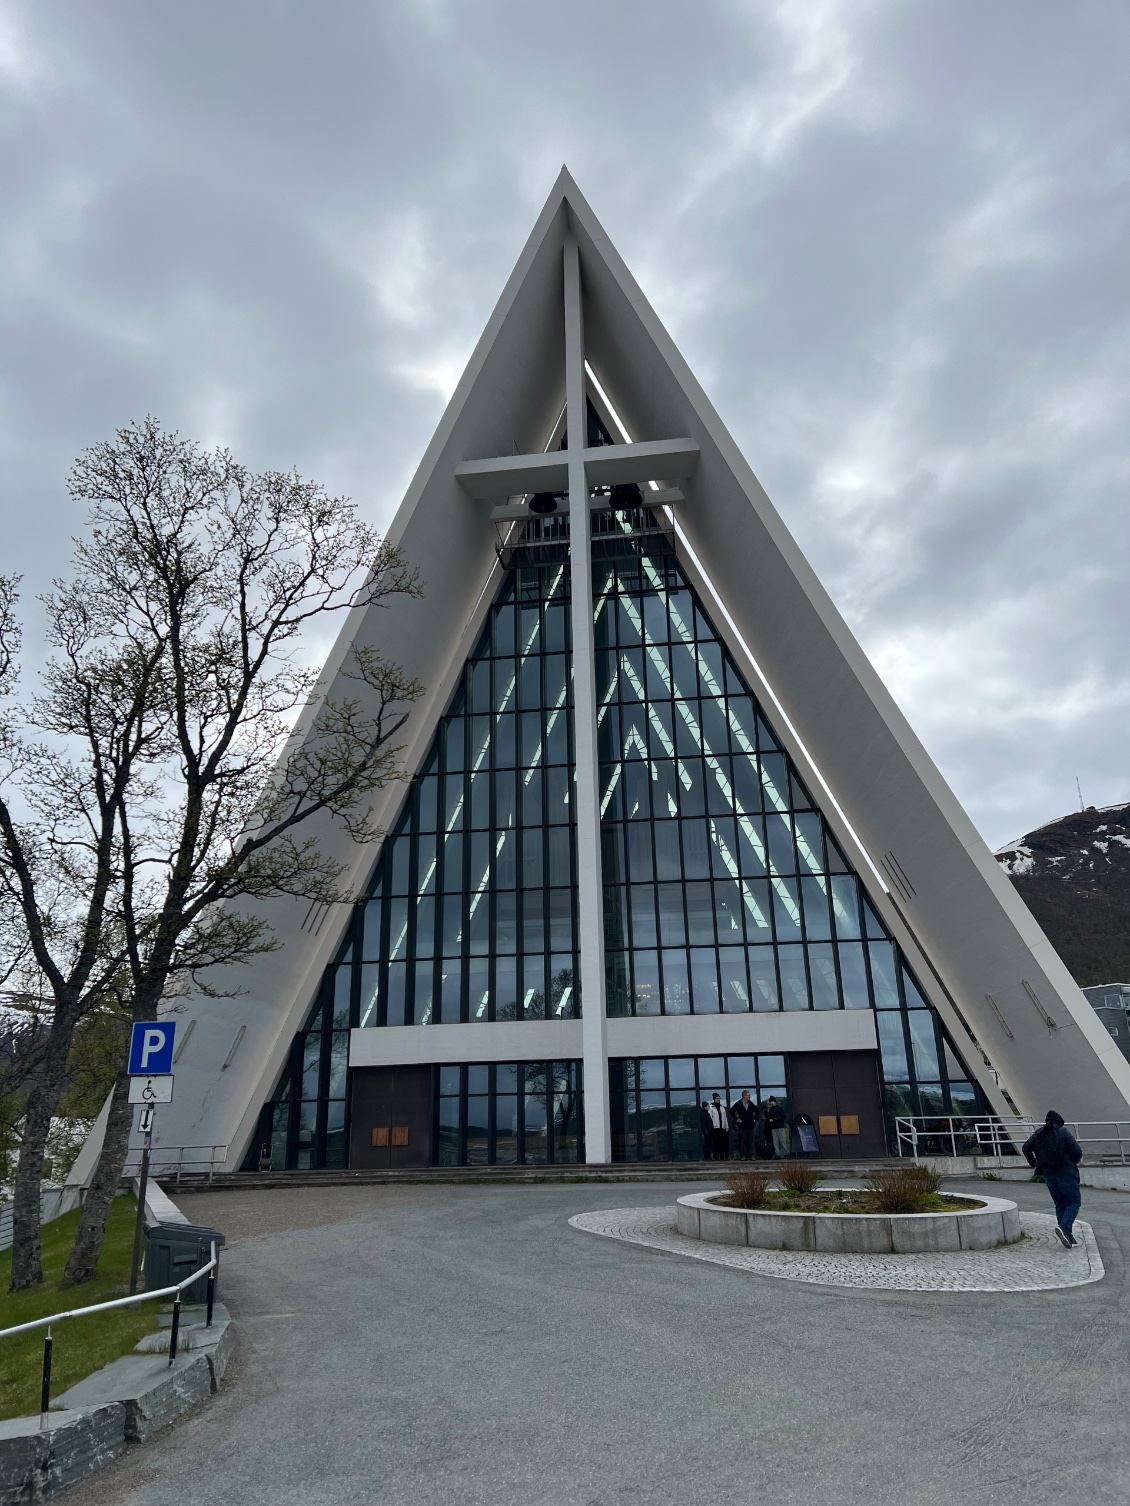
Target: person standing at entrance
[720, 1125]
[706, 1127]
[1055, 1153]
[745, 1117]
[778, 1126]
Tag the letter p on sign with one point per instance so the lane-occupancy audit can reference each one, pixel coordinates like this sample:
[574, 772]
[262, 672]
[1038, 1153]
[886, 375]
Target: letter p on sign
[151, 1049]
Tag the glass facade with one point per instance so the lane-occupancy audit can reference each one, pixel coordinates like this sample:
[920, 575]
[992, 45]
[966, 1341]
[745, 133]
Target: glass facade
[724, 890]
[655, 1102]
[508, 1113]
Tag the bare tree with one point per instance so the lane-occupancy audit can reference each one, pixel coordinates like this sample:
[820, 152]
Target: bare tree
[144, 805]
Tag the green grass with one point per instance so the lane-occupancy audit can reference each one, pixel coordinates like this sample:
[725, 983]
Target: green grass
[82, 1345]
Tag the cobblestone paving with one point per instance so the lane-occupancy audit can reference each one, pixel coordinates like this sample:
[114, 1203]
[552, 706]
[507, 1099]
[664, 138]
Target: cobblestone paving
[1038, 1263]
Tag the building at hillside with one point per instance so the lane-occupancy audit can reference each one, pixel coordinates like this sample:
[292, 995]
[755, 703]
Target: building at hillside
[1111, 1003]
[665, 834]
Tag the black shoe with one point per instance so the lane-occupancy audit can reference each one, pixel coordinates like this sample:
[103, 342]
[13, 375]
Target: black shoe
[1073, 1240]
[1065, 1239]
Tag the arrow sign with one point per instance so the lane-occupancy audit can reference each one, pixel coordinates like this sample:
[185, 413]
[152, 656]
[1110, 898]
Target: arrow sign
[151, 1048]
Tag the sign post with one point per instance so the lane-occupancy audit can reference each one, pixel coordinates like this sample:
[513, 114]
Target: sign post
[151, 1082]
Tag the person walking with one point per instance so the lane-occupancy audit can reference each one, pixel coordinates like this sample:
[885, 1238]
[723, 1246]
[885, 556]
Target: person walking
[720, 1125]
[762, 1134]
[706, 1128]
[778, 1125]
[1055, 1153]
[744, 1115]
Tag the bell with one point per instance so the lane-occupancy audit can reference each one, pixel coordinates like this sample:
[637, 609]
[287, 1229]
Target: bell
[625, 496]
[543, 503]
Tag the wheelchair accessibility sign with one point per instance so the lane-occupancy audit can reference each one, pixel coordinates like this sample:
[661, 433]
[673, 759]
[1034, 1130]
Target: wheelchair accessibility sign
[150, 1090]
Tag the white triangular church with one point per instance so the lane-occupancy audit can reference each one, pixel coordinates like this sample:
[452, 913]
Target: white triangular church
[666, 834]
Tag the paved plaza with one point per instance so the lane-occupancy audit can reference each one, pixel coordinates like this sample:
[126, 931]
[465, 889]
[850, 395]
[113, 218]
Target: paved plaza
[466, 1345]
[1038, 1262]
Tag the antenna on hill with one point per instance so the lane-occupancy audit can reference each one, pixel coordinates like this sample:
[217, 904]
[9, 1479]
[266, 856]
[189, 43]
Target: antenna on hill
[1079, 787]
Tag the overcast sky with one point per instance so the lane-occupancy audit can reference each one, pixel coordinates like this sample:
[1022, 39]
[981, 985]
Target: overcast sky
[890, 238]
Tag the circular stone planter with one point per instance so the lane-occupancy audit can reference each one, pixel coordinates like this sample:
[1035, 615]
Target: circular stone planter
[996, 1221]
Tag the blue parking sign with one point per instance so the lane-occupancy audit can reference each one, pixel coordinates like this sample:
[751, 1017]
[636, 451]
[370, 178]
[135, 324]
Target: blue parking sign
[151, 1048]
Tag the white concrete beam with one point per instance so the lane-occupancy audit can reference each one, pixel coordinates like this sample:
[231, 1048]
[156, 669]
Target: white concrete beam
[590, 892]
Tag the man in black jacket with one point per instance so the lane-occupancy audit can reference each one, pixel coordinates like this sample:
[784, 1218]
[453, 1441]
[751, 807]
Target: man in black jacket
[1055, 1153]
[744, 1116]
[706, 1126]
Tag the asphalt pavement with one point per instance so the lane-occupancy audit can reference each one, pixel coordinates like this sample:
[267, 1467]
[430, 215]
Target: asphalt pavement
[464, 1345]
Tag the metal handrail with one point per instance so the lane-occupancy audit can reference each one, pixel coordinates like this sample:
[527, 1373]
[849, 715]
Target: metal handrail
[173, 1160]
[997, 1139]
[208, 1270]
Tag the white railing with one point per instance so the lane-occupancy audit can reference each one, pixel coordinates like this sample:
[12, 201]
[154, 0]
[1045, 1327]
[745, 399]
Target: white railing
[1103, 1141]
[178, 1160]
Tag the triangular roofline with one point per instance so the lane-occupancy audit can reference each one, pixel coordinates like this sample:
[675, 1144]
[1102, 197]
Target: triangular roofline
[982, 959]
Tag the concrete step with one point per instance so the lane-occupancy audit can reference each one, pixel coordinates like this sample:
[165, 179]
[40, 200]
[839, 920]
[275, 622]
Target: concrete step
[633, 1171]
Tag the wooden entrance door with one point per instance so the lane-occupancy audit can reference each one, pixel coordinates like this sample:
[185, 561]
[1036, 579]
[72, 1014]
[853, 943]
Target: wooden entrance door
[839, 1091]
[391, 1117]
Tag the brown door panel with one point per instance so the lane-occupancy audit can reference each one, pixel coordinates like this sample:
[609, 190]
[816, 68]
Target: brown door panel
[812, 1091]
[860, 1101]
[391, 1117]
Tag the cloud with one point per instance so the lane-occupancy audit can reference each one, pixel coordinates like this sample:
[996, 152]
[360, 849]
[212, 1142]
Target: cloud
[890, 240]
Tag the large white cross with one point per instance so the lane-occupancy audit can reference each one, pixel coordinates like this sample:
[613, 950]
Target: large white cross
[576, 471]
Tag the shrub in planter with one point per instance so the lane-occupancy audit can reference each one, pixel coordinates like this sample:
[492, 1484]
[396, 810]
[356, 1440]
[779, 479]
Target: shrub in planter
[797, 1176]
[748, 1188]
[904, 1189]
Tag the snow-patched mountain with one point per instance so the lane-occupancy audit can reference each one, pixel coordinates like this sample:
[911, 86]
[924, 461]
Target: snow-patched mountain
[1074, 875]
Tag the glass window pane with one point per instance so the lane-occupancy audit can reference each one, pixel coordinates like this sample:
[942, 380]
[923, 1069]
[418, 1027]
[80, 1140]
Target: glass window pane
[914, 999]
[808, 841]
[506, 989]
[449, 1131]
[478, 989]
[822, 972]
[728, 912]
[676, 982]
[763, 978]
[786, 909]
[883, 974]
[645, 980]
[643, 915]
[700, 914]
[422, 1006]
[712, 1074]
[397, 982]
[741, 1072]
[371, 942]
[370, 993]
[854, 975]
[735, 989]
[650, 1073]
[339, 1064]
[794, 983]
[533, 987]
[817, 916]
[925, 1045]
[672, 930]
[845, 903]
[704, 980]
[616, 987]
[892, 1047]
[680, 1071]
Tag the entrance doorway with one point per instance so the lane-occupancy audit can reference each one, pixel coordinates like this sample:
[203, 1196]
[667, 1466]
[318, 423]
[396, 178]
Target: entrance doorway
[391, 1117]
[839, 1091]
